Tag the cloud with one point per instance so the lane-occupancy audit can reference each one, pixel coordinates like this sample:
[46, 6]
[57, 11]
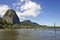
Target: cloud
[3, 9]
[20, 16]
[28, 8]
[21, 0]
[23, 8]
[31, 9]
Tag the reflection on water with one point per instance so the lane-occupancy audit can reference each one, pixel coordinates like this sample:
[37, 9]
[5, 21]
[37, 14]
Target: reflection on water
[30, 34]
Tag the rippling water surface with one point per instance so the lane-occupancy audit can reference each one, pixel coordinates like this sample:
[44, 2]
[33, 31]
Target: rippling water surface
[30, 34]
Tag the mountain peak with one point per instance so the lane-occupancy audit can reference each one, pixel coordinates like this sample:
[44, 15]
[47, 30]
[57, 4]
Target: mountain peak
[11, 17]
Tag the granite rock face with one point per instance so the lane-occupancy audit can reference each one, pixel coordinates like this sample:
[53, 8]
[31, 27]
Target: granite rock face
[11, 17]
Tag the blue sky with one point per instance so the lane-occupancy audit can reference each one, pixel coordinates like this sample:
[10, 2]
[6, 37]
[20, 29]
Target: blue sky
[49, 10]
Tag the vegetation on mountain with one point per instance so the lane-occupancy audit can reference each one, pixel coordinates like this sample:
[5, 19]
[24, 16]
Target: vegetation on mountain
[24, 24]
[29, 23]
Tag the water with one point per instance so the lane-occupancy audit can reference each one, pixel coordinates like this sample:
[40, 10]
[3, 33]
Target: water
[30, 34]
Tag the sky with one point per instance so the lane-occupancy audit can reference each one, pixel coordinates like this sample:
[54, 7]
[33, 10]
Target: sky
[43, 12]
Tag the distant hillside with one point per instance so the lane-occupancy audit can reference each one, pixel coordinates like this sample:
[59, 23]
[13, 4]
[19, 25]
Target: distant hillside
[29, 23]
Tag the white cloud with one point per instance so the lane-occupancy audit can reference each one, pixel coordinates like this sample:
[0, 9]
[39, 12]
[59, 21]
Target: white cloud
[28, 8]
[3, 9]
[21, 0]
[31, 9]
[20, 16]
[24, 0]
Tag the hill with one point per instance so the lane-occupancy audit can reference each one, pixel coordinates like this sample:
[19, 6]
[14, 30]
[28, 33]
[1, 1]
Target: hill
[29, 23]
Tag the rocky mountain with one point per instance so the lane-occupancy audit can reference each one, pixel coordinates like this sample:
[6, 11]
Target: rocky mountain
[11, 17]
